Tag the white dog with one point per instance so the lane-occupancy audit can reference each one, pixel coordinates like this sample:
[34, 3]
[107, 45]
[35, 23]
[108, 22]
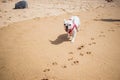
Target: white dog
[72, 26]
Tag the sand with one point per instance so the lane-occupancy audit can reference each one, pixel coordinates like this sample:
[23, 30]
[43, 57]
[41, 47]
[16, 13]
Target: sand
[34, 45]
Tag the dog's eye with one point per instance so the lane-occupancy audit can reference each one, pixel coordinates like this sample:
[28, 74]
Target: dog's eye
[69, 24]
[64, 24]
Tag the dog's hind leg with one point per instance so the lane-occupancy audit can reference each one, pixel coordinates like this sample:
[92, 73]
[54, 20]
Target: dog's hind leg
[73, 37]
[68, 35]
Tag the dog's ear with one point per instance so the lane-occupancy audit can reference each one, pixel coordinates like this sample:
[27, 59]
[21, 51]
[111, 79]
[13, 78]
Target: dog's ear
[64, 20]
[73, 21]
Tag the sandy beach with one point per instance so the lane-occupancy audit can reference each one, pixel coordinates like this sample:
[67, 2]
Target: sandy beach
[34, 44]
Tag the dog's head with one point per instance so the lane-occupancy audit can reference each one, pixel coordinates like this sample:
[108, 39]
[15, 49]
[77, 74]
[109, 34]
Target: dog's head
[68, 24]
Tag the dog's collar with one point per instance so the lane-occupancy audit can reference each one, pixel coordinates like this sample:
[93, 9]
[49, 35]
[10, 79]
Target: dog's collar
[70, 30]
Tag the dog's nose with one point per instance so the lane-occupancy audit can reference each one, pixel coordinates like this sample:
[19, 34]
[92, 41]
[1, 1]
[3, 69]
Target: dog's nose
[66, 27]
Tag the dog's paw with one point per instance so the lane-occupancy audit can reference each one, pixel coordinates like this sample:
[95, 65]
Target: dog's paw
[72, 41]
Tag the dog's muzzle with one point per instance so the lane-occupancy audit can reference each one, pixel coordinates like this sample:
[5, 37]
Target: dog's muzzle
[66, 27]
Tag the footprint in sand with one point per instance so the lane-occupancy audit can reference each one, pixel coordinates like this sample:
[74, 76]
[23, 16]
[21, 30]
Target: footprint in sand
[75, 62]
[24, 16]
[5, 11]
[69, 59]
[93, 42]
[46, 70]
[37, 18]
[111, 30]
[2, 68]
[79, 48]
[101, 32]
[9, 18]
[44, 79]
[118, 25]
[90, 44]
[88, 52]
[70, 52]
[81, 54]
[54, 63]
[92, 38]
[64, 66]
[101, 35]
[0, 16]
[19, 15]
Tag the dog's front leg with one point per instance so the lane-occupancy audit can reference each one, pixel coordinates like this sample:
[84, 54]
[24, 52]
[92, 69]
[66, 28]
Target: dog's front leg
[73, 36]
[68, 35]
[78, 28]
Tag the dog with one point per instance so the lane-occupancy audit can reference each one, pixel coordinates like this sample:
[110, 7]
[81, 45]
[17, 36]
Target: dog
[72, 27]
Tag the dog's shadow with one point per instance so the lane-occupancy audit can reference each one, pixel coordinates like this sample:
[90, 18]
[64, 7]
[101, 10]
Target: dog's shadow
[60, 39]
